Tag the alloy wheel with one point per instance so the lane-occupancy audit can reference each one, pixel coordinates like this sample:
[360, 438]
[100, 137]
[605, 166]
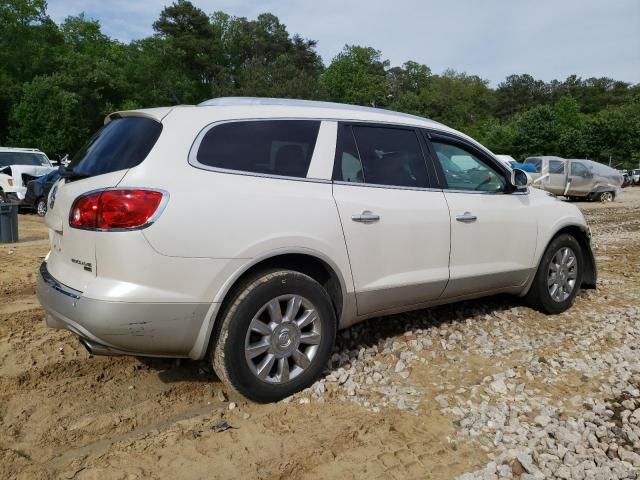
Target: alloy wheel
[283, 339]
[606, 197]
[562, 274]
[41, 207]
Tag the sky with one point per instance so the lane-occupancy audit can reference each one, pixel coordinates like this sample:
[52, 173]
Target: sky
[549, 39]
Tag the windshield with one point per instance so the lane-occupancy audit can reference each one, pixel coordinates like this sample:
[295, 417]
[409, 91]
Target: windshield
[121, 144]
[23, 158]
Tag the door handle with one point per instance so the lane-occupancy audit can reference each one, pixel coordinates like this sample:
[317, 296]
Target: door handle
[466, 217]
[365, 217]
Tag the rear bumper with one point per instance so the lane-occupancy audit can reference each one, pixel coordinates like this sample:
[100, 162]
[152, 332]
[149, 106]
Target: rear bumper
[121, 328]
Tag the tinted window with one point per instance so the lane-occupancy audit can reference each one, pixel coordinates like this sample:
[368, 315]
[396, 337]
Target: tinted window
[349, 166]
[275, 147]
[556, 166]
[23, 158]
[463, 170]
[383, 156]
[122, 143]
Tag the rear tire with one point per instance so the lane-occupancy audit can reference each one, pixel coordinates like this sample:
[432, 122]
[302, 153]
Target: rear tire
[606, 197]
[557, 270]
[275, 335]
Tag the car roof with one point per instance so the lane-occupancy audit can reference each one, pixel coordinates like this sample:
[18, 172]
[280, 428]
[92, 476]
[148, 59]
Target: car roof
[18, 149]
[276, 106]
[546, 157]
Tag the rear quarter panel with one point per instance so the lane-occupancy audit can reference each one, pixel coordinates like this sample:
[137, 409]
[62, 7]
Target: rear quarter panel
[234, 217]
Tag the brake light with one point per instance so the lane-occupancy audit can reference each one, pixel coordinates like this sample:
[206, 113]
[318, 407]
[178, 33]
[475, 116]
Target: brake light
[115, 209]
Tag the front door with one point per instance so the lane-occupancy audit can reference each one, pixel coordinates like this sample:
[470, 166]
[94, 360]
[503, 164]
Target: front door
[556, 182]
[493, 238]
[580, 178]
[396, 229]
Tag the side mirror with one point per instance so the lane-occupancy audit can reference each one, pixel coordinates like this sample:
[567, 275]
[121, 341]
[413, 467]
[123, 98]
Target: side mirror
[520, 179]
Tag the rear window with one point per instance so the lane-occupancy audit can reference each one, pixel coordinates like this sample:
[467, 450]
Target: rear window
[274, 147]
[23, 158]
[121, 144]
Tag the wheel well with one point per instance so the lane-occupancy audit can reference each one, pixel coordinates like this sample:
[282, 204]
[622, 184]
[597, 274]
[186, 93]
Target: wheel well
[312, 266]
[590, 272]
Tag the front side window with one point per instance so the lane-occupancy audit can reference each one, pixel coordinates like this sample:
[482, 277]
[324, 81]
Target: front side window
[556, 166]
[273, 147]
[382, 156]
[463, 170]
[578, 169]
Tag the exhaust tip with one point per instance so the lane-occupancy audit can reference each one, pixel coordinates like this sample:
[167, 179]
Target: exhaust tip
[97, 349]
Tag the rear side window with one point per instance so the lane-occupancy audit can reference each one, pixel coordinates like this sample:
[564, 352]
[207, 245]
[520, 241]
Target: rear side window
[273, 147]
[382, 156]
[556, 166]
[121, 144]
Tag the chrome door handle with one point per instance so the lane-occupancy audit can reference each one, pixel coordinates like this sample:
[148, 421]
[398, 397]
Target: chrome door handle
[466, 217]
[365, 217]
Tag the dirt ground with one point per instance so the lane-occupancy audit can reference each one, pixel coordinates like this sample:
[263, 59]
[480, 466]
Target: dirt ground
[66, 414]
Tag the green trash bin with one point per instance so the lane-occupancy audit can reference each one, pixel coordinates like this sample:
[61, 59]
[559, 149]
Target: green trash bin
[8, 222]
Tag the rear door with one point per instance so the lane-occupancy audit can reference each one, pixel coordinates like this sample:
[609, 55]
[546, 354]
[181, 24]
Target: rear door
[101, 163]
[396, 228]
[493, 236]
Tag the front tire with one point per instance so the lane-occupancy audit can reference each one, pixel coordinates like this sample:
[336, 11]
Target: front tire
[276, 335]
[41, 207]
[559, 276]
[606, 197]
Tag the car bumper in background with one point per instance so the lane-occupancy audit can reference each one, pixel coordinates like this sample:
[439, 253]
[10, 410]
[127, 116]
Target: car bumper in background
[116, 328]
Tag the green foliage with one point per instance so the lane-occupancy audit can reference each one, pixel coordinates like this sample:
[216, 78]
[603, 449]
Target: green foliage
[356, 75]
[47, 116]
[57, 82]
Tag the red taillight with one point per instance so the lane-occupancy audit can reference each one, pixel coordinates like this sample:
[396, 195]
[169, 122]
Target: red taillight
[114, 209]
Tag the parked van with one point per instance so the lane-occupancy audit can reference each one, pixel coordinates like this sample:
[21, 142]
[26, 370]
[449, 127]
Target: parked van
[576, 178]
[247, 231]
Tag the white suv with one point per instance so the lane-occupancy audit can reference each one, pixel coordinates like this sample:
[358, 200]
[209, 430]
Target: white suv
[250, 230]
[18, 166]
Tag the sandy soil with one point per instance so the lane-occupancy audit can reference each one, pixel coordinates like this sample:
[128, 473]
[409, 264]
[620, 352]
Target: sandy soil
[66, 414]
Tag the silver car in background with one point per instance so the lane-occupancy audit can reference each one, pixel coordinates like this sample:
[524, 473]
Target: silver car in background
[576, 178]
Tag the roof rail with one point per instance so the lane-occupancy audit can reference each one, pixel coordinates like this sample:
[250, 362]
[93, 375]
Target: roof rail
[292, 102]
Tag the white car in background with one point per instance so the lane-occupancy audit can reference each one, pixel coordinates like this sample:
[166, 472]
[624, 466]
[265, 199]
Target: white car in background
[248, 231]
[18, 166]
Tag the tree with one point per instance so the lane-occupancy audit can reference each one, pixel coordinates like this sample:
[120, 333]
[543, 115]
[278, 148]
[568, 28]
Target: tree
[536, 132]
[47, 117]
[457, 99]
[519, 93]
[357, 75]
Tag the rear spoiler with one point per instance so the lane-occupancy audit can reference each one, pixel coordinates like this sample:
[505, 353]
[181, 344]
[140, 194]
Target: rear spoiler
[156, 114]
